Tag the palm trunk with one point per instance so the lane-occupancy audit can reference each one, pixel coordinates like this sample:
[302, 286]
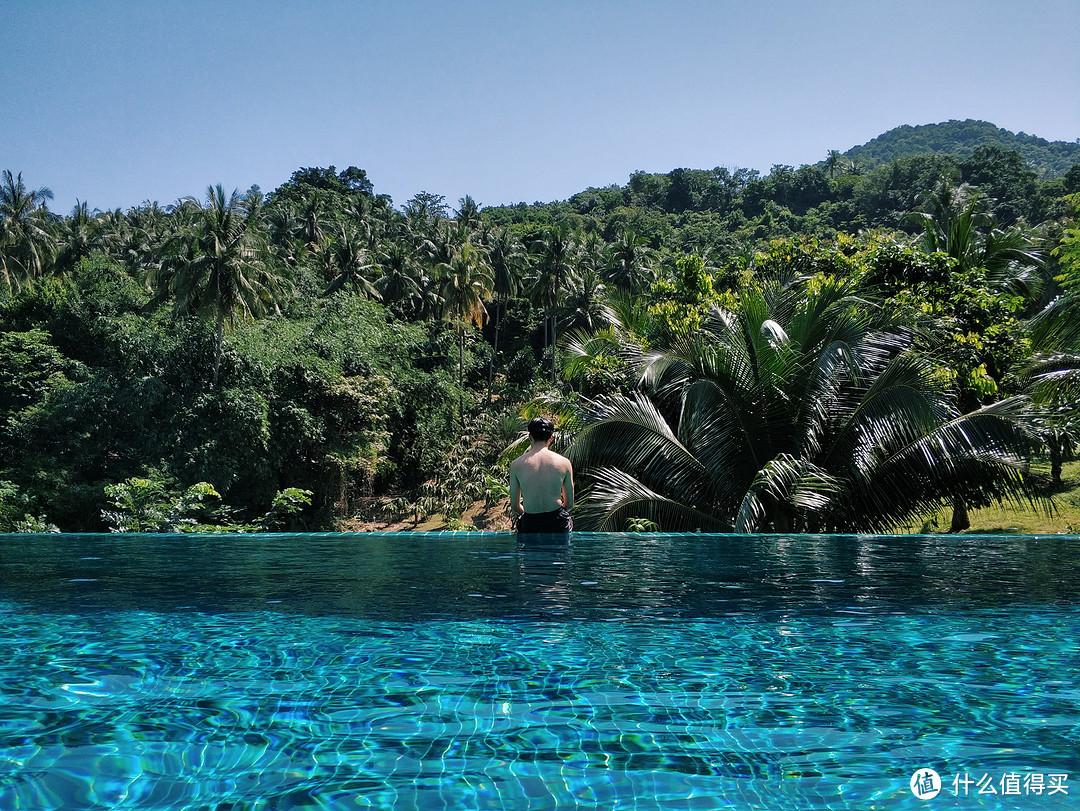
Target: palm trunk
[547, 329]
[960, 520]
[781, 520]
[554, 340]
[219, 341]
[461, 379]
[494, 351]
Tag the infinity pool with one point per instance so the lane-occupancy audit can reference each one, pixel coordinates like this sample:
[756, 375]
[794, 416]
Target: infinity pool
[459, 671]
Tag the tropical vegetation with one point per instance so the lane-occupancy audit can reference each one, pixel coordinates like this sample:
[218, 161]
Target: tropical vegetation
[883, 341]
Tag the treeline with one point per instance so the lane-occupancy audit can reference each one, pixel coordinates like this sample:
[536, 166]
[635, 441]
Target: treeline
[725, 212]
[314, 355]
[960, 139]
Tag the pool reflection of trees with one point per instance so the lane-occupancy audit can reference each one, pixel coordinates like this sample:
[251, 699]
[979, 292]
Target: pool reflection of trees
[605, 576]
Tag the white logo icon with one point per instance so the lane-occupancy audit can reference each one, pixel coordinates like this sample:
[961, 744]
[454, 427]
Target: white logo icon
[925, 784]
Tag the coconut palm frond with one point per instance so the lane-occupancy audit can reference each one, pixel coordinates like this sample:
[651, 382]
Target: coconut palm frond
[803, 408]
[1055, 377]
[980, 457]
[631, 430]
[784, 480]
[1056, 326]
[615, 497]
[580, 348]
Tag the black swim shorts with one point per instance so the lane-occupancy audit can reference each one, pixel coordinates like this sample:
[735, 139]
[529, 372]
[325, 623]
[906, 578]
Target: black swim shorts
[556, 522]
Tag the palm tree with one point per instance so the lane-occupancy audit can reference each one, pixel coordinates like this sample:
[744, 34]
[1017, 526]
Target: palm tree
[464, 283]
[362, 219]
[346, 261]
[605, 359]
[399, 282]
[314, 216]
[833, 163]
[630, 263]
[137, 238]
[80, 234]
[26, 240]
[854, 166]
[796, 412]
[217, 269]
[468, 213]
[423, 212]
[586, 302]
[506, 257]
[283, 231]
[444, 241]
[953, 221]
[1054, 371]
[553, 270]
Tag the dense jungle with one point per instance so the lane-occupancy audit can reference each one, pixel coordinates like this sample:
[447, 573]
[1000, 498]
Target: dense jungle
[882, 341]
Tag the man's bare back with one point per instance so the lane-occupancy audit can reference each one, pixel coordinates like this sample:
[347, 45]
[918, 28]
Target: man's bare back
[541, 481]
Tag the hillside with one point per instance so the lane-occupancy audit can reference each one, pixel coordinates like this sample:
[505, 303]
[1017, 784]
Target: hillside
[1049, 159]
[360, 384]
[723, 211]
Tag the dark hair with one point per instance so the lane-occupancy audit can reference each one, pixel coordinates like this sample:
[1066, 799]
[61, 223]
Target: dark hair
[541, 429]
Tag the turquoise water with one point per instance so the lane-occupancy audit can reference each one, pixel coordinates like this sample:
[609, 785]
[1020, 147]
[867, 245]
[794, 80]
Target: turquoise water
[463, 671]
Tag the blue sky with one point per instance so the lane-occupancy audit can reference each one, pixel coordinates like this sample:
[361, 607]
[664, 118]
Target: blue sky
[115, 103]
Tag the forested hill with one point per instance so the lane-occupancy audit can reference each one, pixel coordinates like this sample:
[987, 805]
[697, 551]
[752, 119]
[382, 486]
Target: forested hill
[837, 347]
[722, 211]
[959, 139]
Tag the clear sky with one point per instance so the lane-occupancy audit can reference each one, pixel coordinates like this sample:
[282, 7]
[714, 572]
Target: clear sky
[116, 102]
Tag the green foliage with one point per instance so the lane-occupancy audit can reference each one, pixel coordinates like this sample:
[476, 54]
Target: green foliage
[14, 515]
[218, 270]
[796, 190]
[348, 182]
[681, 303]
[128, 340]
[961, 139]
[1055, 370]
[1005, 179]
[34, 376]
[35, 526]
[884, 196]
[26, 244]
[30, 368]
[285, 511]
[972, 312]
[156, 504]
[803, 409]
[1067, 252]
[472, 470]
[151, 505]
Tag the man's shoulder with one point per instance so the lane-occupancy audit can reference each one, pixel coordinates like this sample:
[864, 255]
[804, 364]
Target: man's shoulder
[521, 461]
[559, 459]
[545, 457]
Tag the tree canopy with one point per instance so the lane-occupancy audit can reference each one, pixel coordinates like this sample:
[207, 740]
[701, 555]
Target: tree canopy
[851, 345]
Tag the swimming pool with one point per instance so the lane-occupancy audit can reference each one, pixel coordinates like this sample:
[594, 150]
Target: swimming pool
[457, 670]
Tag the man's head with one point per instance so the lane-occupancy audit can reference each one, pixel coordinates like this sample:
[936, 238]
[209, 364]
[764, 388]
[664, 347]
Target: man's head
[541, 429]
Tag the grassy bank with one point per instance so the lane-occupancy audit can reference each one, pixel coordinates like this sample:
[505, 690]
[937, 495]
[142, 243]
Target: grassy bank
[1065, 518]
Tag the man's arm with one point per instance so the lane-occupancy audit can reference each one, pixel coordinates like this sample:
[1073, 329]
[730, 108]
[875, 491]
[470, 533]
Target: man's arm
[515, 493]
[568, 487]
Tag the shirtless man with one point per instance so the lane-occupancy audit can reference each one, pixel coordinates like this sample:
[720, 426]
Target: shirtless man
[544, 480]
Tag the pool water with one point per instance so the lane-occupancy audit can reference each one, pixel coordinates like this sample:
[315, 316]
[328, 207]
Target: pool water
[455, 671]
